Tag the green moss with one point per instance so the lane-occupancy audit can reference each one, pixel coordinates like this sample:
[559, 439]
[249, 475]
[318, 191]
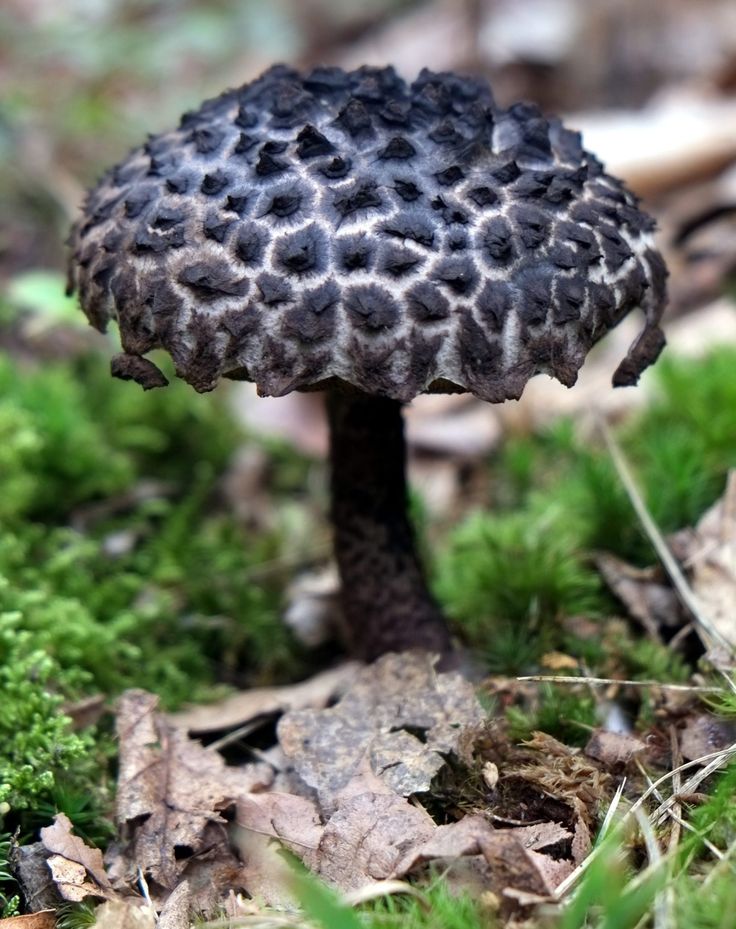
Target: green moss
[36, 741]
[74, 435]
[680, 447]
[176, 608]
[561, 712]
[62, 445]
[715, 819]
[704, 892]
[508, 580]
[645, 660]
[173, 615]
[9, 899]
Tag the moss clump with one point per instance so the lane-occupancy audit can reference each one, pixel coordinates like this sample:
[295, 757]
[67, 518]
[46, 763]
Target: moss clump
[174, 613]
[566, 714]
[681, 447]
[72, 435]
[509, 580]
[36, 741]
[9, 898]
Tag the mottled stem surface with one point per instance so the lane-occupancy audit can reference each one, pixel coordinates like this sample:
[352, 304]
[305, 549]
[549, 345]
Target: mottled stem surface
[386, 603]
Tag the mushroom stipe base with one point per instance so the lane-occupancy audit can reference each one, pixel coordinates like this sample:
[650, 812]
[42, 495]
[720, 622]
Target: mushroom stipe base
[386, 603]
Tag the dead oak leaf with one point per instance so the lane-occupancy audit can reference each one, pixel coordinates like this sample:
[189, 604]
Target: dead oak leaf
[466, 837]
[366, 838]
[614, 750]
[43, 919]
[242, 708]
[71, 879]
[77, 869]
[291, 819]
[453, 840]
[171, 794]
[400, 714]
[713, 561]
[704, 734]
[176, 912]
[644, 592]
[514, 867]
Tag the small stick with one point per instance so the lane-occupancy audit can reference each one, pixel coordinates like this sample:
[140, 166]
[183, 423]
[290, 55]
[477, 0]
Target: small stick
[604, 681]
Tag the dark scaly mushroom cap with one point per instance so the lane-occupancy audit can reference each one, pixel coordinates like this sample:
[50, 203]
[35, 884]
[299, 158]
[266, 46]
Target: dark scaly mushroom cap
[348, 226]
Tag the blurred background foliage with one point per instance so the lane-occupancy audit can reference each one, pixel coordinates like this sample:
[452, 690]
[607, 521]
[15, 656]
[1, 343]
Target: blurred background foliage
[82, 80]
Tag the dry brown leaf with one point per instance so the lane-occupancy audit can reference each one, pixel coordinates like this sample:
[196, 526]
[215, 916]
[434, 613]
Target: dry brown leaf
[453, 840]
[540, 836]
[210, 874]
[653, 151]
[31, 868]
[175, 912]
[266, 876]
[515, 867]
[466, 837]
[171, 794]
[44, 919]
[297, 418]
[71, 879]
[293, 820]
[367, 837]
[452, 424]
[72, 863]
[582, 841]
[644, 592]
[378, 719]
[713, 562]
[86, 712]
[559, 661]
[124, 914]
[705, 734]
[613, 749]
[244, 707]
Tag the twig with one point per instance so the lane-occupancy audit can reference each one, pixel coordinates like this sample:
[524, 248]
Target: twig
[603, 681]
[715, 761]
[676, 789]
[674, 815]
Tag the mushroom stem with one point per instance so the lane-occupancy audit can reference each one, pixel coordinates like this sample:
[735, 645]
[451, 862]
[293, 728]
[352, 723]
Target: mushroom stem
[386, 603]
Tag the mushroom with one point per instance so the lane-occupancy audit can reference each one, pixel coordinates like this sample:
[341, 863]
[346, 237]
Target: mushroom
[347, 232]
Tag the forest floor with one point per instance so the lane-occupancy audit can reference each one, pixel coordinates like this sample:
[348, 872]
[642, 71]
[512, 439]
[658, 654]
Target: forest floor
[181, 731]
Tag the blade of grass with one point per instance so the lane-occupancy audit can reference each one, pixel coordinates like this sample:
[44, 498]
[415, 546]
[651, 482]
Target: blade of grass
[679, 582]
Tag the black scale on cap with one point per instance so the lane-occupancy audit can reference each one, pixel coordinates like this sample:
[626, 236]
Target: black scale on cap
[401, 238]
